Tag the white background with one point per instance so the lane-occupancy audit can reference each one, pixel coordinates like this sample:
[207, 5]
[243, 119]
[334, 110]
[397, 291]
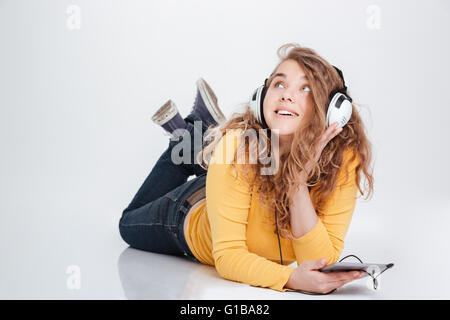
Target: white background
[77, 141]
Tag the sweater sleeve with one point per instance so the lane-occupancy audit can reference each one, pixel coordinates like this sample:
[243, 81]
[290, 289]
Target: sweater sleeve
[228, 204]
[326, 238]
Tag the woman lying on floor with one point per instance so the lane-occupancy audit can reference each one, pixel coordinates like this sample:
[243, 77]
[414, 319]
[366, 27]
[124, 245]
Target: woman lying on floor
[252, 218]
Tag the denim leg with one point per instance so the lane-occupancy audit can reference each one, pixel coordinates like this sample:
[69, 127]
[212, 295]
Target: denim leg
[151, 227]
[158, 225]
[167, 175]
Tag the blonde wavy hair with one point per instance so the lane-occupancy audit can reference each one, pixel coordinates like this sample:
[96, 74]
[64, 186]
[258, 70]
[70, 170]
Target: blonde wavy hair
[277, 190]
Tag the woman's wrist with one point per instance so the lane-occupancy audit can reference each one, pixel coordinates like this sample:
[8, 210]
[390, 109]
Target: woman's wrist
[291, 283]
[301, 193]
[304, 174]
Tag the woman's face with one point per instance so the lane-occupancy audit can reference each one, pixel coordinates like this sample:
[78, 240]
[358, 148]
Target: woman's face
[289, 91]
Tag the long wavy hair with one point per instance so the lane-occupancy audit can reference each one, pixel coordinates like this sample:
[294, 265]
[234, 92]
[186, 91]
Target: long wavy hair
[276, 190]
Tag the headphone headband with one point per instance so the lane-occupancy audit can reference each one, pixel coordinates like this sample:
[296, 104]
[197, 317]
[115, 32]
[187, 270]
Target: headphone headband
[344, 89]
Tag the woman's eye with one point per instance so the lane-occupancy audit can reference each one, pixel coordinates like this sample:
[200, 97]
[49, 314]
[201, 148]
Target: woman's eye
[276, 84]
[308, 88]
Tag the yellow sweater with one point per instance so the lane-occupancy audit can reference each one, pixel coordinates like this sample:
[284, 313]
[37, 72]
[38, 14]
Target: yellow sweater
[234, 233]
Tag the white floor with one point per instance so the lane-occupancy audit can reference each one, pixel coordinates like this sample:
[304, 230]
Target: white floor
[39, 266]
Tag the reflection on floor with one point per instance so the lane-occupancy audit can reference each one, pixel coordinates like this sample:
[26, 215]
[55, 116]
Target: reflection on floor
[146, 275]
[81, 260]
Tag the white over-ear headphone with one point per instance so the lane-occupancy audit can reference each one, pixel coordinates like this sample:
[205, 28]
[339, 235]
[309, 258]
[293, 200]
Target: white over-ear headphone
[339, 106]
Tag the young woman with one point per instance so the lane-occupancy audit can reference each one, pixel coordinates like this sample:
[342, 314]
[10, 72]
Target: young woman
[231, 215]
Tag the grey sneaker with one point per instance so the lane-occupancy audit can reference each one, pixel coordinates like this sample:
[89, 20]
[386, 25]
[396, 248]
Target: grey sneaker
[168, 117]
[205, 105]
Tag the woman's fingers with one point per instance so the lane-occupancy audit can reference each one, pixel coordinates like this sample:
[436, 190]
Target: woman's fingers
[335, 285]
[329, 134]
[333, 278]
[345, 276]
[341, 278]
[333, 131]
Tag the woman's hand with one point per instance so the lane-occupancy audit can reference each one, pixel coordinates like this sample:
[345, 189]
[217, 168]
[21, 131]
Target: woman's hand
[327, 136]
[306, 277]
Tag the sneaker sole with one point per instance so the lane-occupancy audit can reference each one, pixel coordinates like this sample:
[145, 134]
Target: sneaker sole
[210, 100]
[165, 113]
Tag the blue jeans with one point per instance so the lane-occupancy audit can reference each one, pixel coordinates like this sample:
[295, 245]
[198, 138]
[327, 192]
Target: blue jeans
[154, 219]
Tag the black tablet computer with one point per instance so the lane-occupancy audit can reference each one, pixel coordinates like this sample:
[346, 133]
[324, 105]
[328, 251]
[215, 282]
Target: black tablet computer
[352, 266]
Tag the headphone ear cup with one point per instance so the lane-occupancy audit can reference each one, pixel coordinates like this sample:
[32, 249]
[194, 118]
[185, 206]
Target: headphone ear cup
[339, 110]
[254, 104]
[257, 104]
[261, 106]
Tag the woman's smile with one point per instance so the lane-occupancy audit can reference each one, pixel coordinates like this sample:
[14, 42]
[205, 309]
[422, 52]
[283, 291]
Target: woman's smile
[285, 114]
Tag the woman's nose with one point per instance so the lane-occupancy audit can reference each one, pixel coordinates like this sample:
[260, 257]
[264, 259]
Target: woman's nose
[287, 95]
